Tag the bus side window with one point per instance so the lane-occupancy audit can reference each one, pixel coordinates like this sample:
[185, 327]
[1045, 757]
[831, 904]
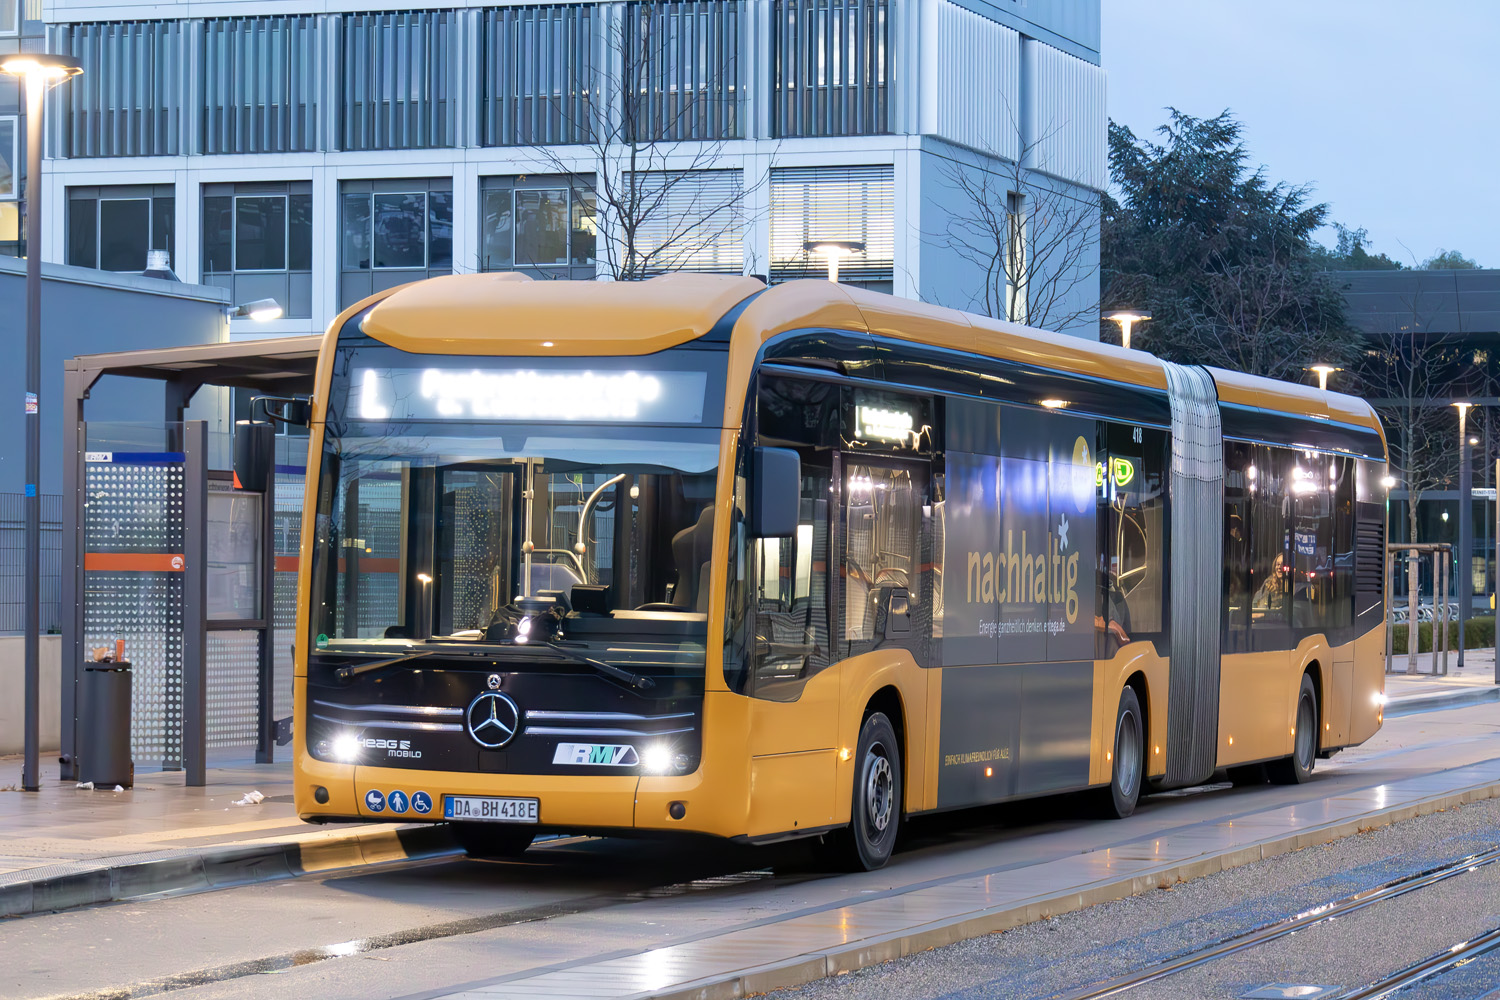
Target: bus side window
[1270, 544]
[1240, 487]
[1134, 558]
[789, 596]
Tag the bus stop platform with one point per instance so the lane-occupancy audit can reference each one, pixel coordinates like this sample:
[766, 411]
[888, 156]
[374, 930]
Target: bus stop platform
[1427, 690]
[66, 846]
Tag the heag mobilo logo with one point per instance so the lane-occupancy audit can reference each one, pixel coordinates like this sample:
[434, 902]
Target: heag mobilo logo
[392, 748]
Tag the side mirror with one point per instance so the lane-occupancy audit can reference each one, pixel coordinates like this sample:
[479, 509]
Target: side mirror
[289, 410]
[776, 492]
[254, 453]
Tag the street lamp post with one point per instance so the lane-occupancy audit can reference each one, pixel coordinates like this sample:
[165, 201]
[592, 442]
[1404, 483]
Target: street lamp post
[1126, 318]
[40, 72]
[1464, 571]
[833, 251]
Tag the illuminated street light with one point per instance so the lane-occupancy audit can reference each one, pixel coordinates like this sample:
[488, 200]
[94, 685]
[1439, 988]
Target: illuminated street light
[41, 72]
[1126, 319]
[1323, 372]
[833, 251]
[261, 310]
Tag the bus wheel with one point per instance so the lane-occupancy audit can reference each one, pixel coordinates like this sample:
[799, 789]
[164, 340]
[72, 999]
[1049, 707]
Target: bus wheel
[866, 843]
[1129, 758]
[492, 840]
[1297, 768]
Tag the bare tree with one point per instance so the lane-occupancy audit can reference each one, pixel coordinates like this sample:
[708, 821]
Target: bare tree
[1412, 376]
[1034, 244]
[657, 130]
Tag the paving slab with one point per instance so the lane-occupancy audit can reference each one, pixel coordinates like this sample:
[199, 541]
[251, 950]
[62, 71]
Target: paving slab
[64, 846]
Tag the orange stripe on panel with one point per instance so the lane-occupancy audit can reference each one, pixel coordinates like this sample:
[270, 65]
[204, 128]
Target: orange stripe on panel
[133, 562]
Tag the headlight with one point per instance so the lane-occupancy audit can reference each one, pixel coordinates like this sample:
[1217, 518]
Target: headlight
[1379, 699]
[346, 748]
[656, 760]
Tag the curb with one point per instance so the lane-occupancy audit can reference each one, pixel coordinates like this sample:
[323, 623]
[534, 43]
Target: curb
[1416, 703]
[219, 867]
[806, 968]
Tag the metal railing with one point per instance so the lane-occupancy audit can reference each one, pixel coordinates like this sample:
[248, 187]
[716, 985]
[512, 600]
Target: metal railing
[1440, 612]
[12, 550]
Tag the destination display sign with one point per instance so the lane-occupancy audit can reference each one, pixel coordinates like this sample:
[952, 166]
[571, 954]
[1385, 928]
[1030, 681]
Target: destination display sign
[529, 394]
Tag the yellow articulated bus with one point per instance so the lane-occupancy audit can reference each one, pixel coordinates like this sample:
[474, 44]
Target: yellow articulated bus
[692, 554]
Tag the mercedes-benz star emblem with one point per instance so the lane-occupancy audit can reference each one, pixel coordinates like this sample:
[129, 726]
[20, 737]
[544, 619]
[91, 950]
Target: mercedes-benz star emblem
[493, 719]
[493, 682]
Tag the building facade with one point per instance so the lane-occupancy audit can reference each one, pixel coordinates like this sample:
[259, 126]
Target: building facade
[314, 152]
[1431, 339]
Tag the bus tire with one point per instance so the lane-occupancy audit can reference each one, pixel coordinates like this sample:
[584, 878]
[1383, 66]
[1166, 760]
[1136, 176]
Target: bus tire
[492, 840]
[1128, 760]
[875, 807]
[1297, 768]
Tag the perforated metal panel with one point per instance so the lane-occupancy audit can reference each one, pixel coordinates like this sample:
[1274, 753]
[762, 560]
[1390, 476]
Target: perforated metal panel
[287, 542]
[233, 684]
[133, 542]
[1197, 571]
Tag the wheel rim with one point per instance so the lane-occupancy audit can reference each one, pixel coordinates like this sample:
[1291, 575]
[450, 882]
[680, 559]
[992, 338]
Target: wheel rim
[1306, 733]
[880, 789]
[1128, 753]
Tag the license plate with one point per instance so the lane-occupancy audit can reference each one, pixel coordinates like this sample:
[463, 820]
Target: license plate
[487, 809]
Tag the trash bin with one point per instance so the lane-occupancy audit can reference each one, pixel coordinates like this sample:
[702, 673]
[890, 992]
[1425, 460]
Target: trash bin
[104, 718]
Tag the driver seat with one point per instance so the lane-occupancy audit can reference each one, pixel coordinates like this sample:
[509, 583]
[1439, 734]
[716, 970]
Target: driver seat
[691, 550]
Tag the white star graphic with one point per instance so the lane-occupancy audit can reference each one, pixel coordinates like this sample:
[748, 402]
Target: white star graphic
[1062, 532]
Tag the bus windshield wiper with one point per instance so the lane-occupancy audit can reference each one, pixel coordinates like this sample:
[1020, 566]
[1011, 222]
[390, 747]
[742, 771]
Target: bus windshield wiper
[639, 681]
[349, 673]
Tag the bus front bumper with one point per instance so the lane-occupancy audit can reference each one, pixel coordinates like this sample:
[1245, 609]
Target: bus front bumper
[572, 802]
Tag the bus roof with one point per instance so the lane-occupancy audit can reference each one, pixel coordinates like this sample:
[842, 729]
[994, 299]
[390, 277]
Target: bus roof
[506, 312]
[480, 313]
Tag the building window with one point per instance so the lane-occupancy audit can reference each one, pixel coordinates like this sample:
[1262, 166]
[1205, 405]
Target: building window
[694, 221]
[10, 17]
[10, 185]
[10, 158]
[537, 75]
[398, 73]
[389, 229]
[1016, 258]
[111, 228]
[831, 62]
[682, 70]
[132, 106]
[257, 242]
[538, 223]
[817, 204]
[259, 84]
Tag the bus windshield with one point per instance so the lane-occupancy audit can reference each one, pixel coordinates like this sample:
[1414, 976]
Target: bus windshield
[436, 533]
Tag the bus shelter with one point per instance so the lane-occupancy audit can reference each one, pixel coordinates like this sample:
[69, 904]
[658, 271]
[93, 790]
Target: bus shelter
[164, 549]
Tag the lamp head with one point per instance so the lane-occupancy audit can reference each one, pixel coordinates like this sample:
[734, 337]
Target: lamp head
[41, 65]
[834, 248]
[1126, 316]
[261, 310]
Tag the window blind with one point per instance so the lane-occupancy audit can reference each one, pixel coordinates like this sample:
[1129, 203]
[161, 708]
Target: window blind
[811, 204]
[689, 221]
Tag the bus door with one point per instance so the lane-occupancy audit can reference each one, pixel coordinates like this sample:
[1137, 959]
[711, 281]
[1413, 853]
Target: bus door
[884, 582]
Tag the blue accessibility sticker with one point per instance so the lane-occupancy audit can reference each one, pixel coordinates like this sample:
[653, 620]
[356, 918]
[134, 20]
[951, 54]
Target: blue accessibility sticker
[374, 801]
[397, 800]
[421, 802]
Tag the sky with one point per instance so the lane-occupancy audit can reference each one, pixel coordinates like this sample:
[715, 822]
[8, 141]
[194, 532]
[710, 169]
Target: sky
[1390, 111]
